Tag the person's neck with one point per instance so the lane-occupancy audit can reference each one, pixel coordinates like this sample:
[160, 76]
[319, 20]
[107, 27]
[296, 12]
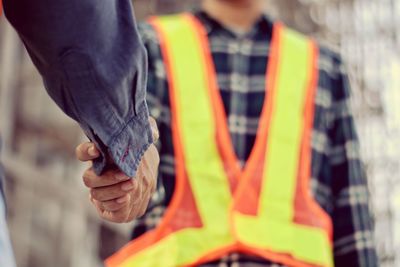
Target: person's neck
[235, 15]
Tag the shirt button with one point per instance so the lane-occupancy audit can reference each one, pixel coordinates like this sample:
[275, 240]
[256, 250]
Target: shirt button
[234, 48]
[246, 47]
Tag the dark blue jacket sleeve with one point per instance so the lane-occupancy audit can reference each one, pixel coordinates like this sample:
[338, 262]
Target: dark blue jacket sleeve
[94, 66]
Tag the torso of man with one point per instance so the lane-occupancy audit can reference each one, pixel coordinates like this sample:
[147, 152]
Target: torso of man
[241, 63]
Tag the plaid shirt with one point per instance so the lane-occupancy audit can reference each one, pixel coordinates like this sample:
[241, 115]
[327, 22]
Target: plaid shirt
[338, 179]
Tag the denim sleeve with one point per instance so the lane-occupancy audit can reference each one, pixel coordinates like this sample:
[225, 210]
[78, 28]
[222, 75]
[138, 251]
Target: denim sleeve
[94, 66]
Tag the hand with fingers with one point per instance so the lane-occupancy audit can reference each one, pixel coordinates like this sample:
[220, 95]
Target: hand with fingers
[117, 197]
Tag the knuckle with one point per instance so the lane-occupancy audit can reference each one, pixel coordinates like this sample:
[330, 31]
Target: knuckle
[87, 181]
[112, 206]
[78, 151]
[109, 205]
[117, 192]
[95, 194]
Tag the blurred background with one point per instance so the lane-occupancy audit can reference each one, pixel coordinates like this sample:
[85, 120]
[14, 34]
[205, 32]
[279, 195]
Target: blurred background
[51, 222]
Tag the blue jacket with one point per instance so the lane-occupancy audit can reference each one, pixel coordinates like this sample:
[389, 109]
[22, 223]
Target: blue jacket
[94, 66]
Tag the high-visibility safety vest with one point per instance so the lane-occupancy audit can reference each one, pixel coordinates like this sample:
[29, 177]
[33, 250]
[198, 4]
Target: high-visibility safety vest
[265, 209]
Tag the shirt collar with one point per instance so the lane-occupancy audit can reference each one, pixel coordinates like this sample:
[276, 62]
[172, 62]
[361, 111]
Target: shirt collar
[263, 25]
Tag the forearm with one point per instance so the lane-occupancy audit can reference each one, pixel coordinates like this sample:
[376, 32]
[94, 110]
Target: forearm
[94, 67]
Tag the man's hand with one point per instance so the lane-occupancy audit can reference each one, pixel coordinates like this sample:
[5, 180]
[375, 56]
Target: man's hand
[117, 197]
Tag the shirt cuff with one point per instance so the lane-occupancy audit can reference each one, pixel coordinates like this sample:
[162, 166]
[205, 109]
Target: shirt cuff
[127, 148]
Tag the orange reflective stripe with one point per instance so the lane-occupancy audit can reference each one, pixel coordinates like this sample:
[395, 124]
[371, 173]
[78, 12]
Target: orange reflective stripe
[241, 196]
[209, 185]
[273, 232]
[223, 136]
[304, 197]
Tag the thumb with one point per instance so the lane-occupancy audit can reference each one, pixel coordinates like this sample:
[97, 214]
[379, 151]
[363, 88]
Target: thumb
[154, 129]
[86, 152]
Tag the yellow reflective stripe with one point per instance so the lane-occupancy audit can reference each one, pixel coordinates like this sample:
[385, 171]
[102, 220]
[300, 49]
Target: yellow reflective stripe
[197, 123]
[203, 164]
[285, 131]
[273, 228]
[179, 249]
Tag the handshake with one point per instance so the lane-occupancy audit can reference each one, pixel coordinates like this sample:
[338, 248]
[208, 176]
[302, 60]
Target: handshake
[117, 197]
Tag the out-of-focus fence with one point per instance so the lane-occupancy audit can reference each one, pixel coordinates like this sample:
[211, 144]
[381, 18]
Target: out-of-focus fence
[50, 218]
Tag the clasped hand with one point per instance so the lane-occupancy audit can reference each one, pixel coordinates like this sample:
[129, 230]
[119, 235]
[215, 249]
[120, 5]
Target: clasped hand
[117, 197]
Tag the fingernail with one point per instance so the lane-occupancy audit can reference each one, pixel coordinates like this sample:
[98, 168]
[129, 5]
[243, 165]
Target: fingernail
[93, 151]
[127, 186]
[122, 200]
[121, 176]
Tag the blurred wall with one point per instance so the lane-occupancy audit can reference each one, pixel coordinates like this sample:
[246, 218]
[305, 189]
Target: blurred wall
[50, 218]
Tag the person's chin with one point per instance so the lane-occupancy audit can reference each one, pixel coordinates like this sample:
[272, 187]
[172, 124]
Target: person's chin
[238, 2]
